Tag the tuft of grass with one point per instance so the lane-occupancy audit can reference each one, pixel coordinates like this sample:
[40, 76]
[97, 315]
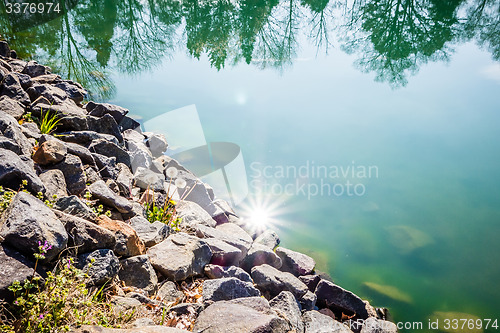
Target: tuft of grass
[164, 213]
[48, 122]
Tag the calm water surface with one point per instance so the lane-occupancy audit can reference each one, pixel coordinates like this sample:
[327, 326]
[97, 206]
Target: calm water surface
[407, 89]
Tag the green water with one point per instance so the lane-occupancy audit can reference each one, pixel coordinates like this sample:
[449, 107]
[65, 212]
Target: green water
[407, 87]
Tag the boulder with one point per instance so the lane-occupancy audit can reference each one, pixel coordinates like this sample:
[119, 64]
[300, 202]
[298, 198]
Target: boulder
[12, 88]
[148, 179]
[271, 282]
[180, 256]
[225, 289]
[74, 206]
[100, 265]
[311, 281]
[110, 149]
[124, 179]
[315, 322]
[86, 236]
[101, 109]
[25, 80]
[374, 325]
[150, 233]
[34, 69]
[224, 254]
[73, 91]
[27, 223]
[169, 293]
[218, 272]
[50, 152]
[268, 238]
[83, 153]
[231, 234]
[156, 143]
[72, 168]
[106, 165]
[129, 123]
[31, 130]
[138, 272]
[55, 185]
[13, 170]
[259, 254]
[106, 125]
[295, 262]
[15, 267]
[102, 192]
[288, 308]
[128, 243]
[10, 129]
[84, 137]
[48, 94]
[140, 156]
[308, 301]
[11, 107]
[16, 65]
[249, 315]
[192, 214]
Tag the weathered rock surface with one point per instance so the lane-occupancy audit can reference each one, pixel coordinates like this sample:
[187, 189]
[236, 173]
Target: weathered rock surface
[271, 281]
[27, 221]
[180, 256]
[13, 170]
[50, 152]
[311, 281]
[128, 243]
[156, 143]
[138, 272]
[218, 272]
[11, 107]
[143, 329]
[232, 235]
[227, 289]
[148, 179]
[315, 322]
[246, 315]
[168, 292]
[286, 305]
[72, 205]
[102, 192]
[295, 262]
[150, 233]
[224, 254]
[11, 130]
[100, 109]
[72, 168]
[55, 184]
[12, 88]
[100, 265]
[15, 267]
[192, 214]
[268, 238]
[260, 254]
[110, 149]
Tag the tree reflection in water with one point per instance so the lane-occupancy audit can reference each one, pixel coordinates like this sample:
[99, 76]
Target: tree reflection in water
[391, 38]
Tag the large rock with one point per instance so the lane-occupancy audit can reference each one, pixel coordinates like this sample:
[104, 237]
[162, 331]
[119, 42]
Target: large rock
[74, 206]
[138, 272]
[224, 254]
[140, 156]
[106, 165]
[73, 90]
[124, 179]
[10, 129]
[27, 222]
[72, 168]
[100, 265]
[286, 305]
[11, 107]
[101, 109]
[110, 149]
[192, 214]
[245, 315]
[374, 325]
[102, 192]
[311, 281]
[227, 289]
[86, 236]
[180, 256]
[128, 243]
[150, 233]
[105, 125]
[156, 143]
[332, 296]
[50, 152]
[232, 235]
[315, 322]
[55, 185]
[271, 282]
[295, 262]
[13, 170]
[15, 267]
[34, 69]
[168, 293]
[84, 137]
[148, 179]
[260, 254]
[12, 88]
[218, 272]
[268, 238]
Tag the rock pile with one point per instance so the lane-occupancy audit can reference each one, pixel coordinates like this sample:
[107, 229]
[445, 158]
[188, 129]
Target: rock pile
[99, 155]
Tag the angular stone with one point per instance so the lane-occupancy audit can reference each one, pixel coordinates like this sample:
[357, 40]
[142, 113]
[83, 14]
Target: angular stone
[268, 238]
[13, 170]
[147, 179]
[74, 206]
[168, 292]
[73, 91]
[226, 289]
[27, 221]
[308, 301]
[55, 185]
[286, 305]
[332, 296]
[180, 256]
[374, 325]
[315, 322]
[192, 214]
[84, 235]
[236, 238]
[102, 192]
[271, 282]
[122, 304]
[9, 144]
[107, 165]
[105, 125]
[4, 49]
[34, 69]
[140, 156]
[124, 179]
[12, 88]
[48, 94]
[224, 254]
[16, 65]
[129, 123]
[82, 137]
[295, 262]
[150, 233]
[31, 130]
[187, 308]
[100, 109]
[138, 272]
[11, 107]
[260, 254]
[252, 315]
[218, 272]
[128, 243]
[10, 129]
[72, 168]
[25, 80]
[83, 153]
[104, 267]
[311, 281]
[110, 149]
[50, 152]
[15, 267]
[156, 143]
[47, 78]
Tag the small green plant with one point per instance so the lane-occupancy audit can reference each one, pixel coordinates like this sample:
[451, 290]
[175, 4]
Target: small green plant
[97, 209]
[165, 213]
[48, 122]
[26, 118]
[6, 195]
[48, 202]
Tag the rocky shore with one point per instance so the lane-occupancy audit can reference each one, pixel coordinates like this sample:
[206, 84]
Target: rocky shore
[84, 189]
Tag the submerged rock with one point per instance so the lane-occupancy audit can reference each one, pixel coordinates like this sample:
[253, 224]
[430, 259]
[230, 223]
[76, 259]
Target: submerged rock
[389, 291]
[408, 239]
[459, 317]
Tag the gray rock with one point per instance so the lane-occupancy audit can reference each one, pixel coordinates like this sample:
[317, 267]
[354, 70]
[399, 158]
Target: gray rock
[9, 144]
[13, 170]
[11, 107]
[106, 125]
[374, 325]
[180, 256]
[10, 129]
[233, 237]
[143, 298]
[128, 244]
[15, 267]
[311, 281]
[295, 262]
[48, 94]
[224, 254]
[138, 272]
[187, 308]
[16, 65]
[286, 305]
[129, 123]
[168, 292]
[72, 168]
[104, 267]
[134, 135]
[47, 78]
[25, 80]
[260, 254]
[34, 69]
[308, 301]
[4, 49]
[141, 322]
[140, 156]
[271, 282]
[156, 143]
[84, 235]
[83, 137]
[227, 289]
[315, 322]
[74, 206]
[268, 238]
[192, 214]
[27, 221]
[124, 179]
[73, 91]
[91, 174]
[31, 130]
[106, 165]
[12, 88]
[147, 179]
[55, 185]
[101, 109]
[150, 233]
[165, 162]
[218, 272]
[102, 192]
[80, 151]
[110, 149]
[249, 315]
[122, 304]
[50, 152]
[332, 296]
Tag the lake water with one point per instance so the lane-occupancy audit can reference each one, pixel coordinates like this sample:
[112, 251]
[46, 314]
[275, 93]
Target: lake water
[380, 157]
